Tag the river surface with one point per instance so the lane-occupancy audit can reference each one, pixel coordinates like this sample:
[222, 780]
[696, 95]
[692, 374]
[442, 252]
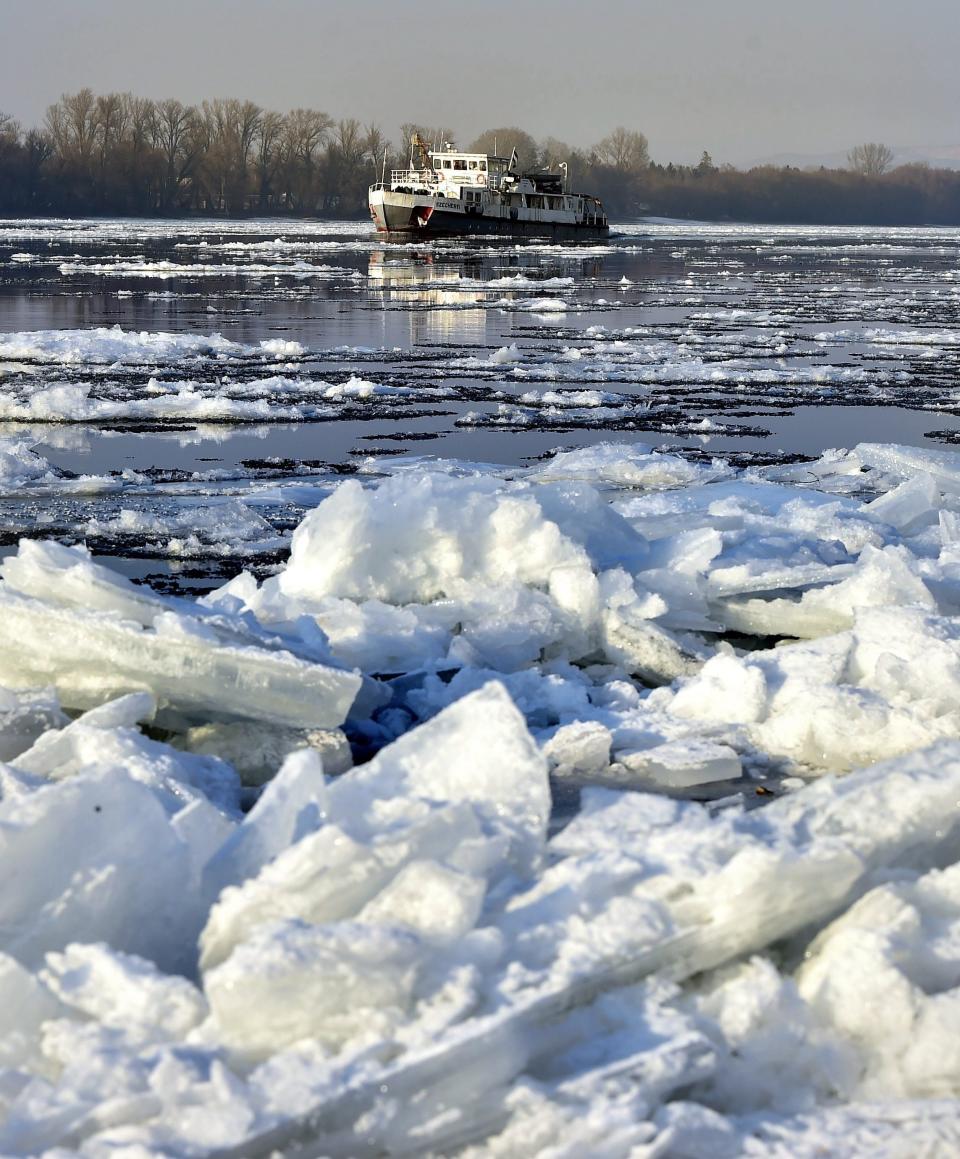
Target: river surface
[196, 386]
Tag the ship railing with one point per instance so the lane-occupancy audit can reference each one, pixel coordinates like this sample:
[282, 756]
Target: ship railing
[409, 176]
[431, 177]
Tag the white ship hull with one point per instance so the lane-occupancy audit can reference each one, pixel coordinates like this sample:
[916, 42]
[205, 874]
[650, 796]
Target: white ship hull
[430, 215]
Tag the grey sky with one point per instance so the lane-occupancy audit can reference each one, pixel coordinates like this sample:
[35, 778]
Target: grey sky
[741, 78]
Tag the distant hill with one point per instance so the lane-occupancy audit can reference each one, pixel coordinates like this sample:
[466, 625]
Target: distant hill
[943, 157]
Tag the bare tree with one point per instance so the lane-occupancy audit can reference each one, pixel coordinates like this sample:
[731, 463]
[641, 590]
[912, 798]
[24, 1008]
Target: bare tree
[173, 136]
[141, 117]
[552, 151]
[230, 126]
[504, 140]
[72, 124]
[305, 132]
[348, 139]
[623, 149]
[375, 145]
[110, 116]
[9, 128]
[269, 155]
[345, 175]
[871, 159]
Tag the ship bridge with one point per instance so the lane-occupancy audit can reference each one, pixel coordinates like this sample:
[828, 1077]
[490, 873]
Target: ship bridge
[451, 168]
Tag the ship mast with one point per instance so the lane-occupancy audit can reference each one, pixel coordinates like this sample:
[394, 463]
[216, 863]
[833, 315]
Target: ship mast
[419, 147]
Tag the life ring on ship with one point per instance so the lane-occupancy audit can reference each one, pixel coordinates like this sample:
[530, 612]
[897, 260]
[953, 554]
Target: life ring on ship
[481, 178]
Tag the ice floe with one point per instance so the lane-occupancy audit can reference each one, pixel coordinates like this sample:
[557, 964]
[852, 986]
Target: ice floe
[110, 344]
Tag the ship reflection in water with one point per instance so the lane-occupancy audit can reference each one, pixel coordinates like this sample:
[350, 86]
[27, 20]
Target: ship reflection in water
[449, 296]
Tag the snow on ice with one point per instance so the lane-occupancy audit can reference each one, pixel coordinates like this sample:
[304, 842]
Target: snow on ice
[544, 917]
[111, 344]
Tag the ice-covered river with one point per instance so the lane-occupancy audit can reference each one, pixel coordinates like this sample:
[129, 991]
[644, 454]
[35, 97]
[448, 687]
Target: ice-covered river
[217, 358]
[534, 728]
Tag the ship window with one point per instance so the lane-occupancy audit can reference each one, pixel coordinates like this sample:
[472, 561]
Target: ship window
[437, 163]
[473, 164]
[483, 165]
[459, 163]
[446, 164]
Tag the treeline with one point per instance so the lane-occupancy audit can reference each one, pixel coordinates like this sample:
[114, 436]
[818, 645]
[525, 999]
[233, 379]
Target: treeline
[121, 154]
[126, 155]
[908, 195]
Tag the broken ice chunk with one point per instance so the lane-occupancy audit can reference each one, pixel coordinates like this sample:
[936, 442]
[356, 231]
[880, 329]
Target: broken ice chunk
[120, 874]
[331, 983]
[886, 977]
[726, 688]
[256, 749]
[104, 738]
[329, 876]
[580, 749]
[647, 650]
[779, 1052]
[468, 788]
[908, 656]
[67, 576]
[762, 576]
[887, 577]
[24, 718]
[624, 465]
[912, 505]
[123, 990]
[680, 764]
[92, 657]
[293, 804]
[415, 539]
[477, 751]
[943, 467]
[25, 1004]
[436, 902]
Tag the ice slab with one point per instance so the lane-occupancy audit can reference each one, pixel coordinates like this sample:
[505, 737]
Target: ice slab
[21, 466]
[106, 738]
[468, 788]
[294, 804]
[943, 467]
[910, 506]
[257, 750]
[124, 640]
[887, 577]
[679, 765]
[121, 874]
[348, 979]
[24, 718]
[125, 991]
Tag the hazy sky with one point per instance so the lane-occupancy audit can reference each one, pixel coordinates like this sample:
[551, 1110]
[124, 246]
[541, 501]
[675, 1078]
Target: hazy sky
[741, 78]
